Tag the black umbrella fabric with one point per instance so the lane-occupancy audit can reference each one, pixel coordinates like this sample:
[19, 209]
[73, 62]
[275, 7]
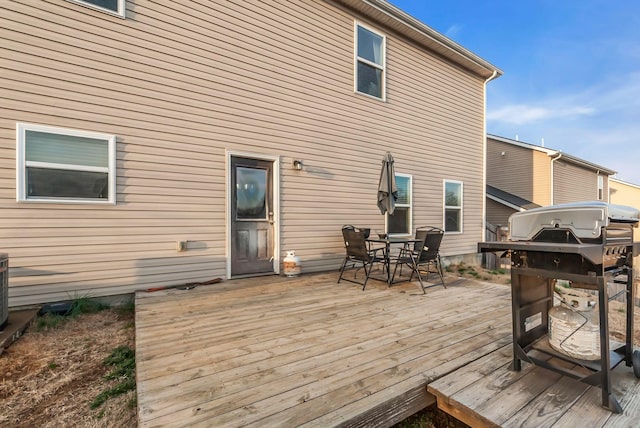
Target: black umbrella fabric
[387, 190]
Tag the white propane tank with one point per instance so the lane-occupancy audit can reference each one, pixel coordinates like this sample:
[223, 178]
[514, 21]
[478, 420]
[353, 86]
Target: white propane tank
[573, 325]
[291, 264]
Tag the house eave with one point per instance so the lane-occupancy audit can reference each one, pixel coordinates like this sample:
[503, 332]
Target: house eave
[384, 12]
[554, 153]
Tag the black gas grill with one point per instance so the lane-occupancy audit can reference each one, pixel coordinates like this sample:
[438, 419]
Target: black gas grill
[590, 245]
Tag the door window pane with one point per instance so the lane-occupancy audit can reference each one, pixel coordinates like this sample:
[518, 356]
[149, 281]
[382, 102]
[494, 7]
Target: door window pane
[251, 185]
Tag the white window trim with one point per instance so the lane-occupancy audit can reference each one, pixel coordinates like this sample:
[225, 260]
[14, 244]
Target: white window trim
[119, 13]
[445, 206]
[21, 164]
[372, 64]
[409, 205]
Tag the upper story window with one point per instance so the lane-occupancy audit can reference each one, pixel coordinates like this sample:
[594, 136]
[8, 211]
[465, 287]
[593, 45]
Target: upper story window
[600, 187]
[64, 165]
[452, 206]
[399, 223]
[110, 6]
[370, 62]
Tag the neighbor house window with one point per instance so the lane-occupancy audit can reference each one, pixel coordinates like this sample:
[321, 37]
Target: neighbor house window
[452, 206]
[600, 187]
[370, 53]
[399, 223]
[64, 165]
[109, 6]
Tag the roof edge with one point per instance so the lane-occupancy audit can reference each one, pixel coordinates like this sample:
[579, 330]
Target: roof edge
[421, 33]
[617, 180]
[552, 152]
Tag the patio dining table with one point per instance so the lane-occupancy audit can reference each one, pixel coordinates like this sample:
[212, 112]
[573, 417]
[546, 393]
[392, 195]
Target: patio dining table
[388, 241]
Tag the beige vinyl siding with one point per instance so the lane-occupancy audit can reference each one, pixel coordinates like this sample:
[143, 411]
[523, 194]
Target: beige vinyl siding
[180, 83]
[622, 193]
[573, 183]
[497, 213]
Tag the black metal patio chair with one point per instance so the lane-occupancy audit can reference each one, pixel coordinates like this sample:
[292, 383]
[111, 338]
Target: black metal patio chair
[424, 256]
[358, 255]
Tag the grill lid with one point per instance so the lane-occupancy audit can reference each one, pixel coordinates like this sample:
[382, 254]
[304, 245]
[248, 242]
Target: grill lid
[584, 219]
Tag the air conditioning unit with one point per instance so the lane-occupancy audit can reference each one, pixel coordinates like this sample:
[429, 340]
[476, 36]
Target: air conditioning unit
[4, 289]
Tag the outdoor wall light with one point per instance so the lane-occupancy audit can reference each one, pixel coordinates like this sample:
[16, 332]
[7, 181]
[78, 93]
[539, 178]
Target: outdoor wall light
[297, 164]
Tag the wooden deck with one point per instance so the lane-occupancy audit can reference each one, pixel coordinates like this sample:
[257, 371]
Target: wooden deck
[485, 393]
[279, 351]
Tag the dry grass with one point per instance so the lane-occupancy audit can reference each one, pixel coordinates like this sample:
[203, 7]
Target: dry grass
[49, 377]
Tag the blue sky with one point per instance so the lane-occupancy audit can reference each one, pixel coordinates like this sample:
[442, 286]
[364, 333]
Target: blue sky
[571, 71]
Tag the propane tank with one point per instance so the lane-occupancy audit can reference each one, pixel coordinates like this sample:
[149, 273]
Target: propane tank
[573, 325]
[291, 264]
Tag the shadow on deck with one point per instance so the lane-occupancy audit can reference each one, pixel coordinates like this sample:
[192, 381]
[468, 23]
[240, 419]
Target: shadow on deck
[275, 351]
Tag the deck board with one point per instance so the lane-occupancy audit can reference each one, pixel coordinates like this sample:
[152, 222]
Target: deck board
[307, 351]
[487, 393]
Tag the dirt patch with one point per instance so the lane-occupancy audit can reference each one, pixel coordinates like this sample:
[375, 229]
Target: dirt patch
[49, 377]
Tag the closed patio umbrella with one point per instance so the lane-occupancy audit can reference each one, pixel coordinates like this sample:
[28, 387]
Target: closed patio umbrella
[387, 190]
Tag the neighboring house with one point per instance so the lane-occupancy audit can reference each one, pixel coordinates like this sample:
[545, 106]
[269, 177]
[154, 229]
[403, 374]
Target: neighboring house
[147, 144]
[521, 176]
[624, 193]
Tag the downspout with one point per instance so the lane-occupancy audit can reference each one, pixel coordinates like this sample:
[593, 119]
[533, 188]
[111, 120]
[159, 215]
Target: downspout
[559, 155]
[484, 157]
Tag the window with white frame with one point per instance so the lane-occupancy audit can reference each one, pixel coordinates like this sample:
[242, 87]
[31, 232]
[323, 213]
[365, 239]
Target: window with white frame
[370, 62]
[110, 6]
[399, 223]
[452, 206]
[64, 165]
[600, 187]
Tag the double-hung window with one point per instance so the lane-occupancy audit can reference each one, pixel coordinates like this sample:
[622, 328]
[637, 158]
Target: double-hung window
[370, 62]
[115, 7]
[452, 206]
[600, 187]
[64, 165]
[399, 223]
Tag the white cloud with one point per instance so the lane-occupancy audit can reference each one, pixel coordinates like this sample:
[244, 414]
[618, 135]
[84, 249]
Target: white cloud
[520, 114]
[453, 31]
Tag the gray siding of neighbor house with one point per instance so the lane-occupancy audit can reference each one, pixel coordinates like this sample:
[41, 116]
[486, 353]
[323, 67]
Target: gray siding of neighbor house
[497, 213]
[180, 83]
[573, 183]
[521, 171]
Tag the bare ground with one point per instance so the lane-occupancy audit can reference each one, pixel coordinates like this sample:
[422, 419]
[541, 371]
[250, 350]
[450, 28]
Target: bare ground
[48, 378]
